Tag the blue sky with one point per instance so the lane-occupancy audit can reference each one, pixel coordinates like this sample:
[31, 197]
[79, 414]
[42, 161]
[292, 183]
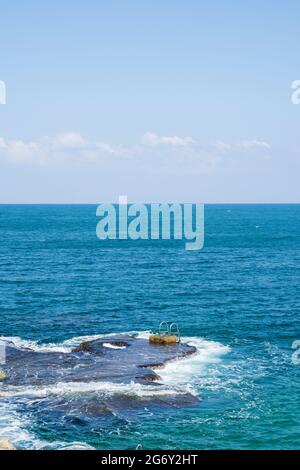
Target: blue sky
[162, 101]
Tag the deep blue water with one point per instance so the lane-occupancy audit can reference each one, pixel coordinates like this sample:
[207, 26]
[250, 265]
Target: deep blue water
[240, 294]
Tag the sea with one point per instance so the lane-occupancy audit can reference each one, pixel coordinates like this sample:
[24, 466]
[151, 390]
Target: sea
[237, 301]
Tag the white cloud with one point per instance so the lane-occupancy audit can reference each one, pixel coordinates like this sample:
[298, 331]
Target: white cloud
[69, 140]
[19, 151]
[110, 149]
[246, 145]
[152, 139]
[157, 154]
[222, 146]
[61, 148]
[241, 145]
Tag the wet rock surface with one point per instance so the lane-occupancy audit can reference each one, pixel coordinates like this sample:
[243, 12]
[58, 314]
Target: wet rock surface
[114, 374]
[136, 351]
[120, 359]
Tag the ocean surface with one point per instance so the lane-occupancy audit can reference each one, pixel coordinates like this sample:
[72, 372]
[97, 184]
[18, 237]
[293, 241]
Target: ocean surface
[237, 301]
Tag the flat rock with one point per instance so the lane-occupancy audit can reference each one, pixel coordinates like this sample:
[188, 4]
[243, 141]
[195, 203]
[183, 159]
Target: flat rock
[109, 372]
[120, 359]
[136, 351]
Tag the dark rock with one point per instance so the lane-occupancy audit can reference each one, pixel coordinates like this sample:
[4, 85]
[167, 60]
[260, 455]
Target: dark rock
[137, 351]
[117, 360]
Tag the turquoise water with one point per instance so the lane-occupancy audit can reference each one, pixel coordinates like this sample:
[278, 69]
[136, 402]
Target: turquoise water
[237, 300]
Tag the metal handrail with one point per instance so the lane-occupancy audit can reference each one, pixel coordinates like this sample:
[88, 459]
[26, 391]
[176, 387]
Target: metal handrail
[169, 329]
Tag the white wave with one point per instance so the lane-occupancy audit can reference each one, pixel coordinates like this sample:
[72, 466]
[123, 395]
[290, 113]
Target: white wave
[143, 334]
[14, 427]
[65, 346]
[71, 446]
[186, 371]
[34, 345]
[103, 388]
[113, 346]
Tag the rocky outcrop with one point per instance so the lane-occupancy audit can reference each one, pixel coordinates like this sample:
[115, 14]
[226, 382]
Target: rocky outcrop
[113, 375]
[133, 356]
[118, 359]
[5, 444]
[136, 351]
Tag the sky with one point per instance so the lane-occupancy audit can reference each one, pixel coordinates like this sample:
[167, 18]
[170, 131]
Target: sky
[162, 101]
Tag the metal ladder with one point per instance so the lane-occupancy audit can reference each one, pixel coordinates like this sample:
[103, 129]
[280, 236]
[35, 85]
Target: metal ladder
[169, 329]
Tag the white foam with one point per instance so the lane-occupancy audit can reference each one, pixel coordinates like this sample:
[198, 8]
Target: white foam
[113, 346]
[103, 388]
[186, 371]
[143, 334]
[14, 427]
[64, 347]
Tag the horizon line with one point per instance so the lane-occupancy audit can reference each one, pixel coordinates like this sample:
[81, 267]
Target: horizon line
[145, 202]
